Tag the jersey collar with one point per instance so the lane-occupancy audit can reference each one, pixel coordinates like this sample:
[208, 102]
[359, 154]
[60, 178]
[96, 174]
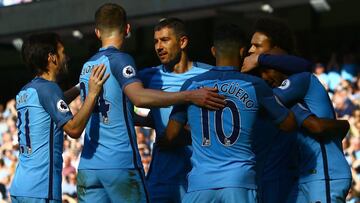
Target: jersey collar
[105, 48]
[226, 68]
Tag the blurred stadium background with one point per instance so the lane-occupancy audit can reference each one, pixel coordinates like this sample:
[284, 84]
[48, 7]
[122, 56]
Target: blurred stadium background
[327, 31]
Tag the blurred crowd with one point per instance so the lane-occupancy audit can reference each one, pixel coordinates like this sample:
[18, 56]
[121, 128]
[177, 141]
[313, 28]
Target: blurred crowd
[341, 79]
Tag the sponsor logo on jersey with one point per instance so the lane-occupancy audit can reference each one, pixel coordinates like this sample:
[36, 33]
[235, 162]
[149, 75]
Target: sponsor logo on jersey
[62, 106]
[129, 72]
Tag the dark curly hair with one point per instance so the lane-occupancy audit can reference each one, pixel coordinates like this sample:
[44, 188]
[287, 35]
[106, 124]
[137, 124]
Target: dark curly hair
[279, 33]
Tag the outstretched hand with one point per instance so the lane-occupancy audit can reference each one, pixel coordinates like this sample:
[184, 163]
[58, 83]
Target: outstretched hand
[97, 79]
[250, 62]
[207, 97]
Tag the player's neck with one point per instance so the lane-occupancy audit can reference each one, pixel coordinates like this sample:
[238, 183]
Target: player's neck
[50, 76]
[183, 65]
[235, 62]
[114, 41]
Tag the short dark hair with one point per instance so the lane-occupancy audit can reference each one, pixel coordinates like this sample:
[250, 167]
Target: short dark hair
[174, 23]
[278, 31]
[36, 49]
[228, 39]
[110, 16]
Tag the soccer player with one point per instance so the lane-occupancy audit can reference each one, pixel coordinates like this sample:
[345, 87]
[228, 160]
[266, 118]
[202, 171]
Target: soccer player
[324, 174]
[166, 179]
[42, 117]
[110, 168]
[223, 159]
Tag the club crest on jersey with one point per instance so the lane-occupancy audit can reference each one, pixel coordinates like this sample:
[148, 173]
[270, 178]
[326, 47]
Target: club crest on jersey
[128, 72]
[285, 84]
[62, 106]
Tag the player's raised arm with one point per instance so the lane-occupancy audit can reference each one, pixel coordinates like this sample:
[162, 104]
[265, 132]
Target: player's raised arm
[76, 125]
[204, 97]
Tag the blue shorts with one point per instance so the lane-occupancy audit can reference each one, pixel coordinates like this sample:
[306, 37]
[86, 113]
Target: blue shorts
[223, 195]
[317, 191]
[16, 199]
[276, 191]
[116, 185]
[164, 193]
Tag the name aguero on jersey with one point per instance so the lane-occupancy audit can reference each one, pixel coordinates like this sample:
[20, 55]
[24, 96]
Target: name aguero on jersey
[234, 89]
[88, 69]
[22, 99]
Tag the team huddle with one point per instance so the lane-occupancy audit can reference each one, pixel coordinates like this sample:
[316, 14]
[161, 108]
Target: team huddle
[257, 127]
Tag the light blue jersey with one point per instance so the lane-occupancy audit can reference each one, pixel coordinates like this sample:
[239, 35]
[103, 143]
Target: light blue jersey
[318, 160]
[42, 113]
[110, 139]
[163, 167]
[223, 155]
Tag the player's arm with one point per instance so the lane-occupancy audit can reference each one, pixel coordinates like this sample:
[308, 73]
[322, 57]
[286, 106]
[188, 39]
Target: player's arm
[319, 127]
[75, 126]
[280, 115]
[71, 94]
[147, 98]
[284, 63]
[125, 73]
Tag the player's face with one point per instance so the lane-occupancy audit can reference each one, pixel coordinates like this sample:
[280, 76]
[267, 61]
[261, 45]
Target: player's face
[167, 45]
[260, 43]
[272, 77]
[62, 59]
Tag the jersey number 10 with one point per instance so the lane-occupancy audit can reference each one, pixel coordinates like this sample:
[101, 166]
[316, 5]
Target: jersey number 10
[218, 125]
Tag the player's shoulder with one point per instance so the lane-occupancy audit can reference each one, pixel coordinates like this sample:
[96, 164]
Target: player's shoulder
[202, 65]
[151, 70]
[301, 75]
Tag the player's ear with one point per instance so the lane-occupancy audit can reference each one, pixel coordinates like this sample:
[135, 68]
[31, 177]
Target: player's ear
[52, 58]
[213, 51]
[184, 40]
[127, 30]
[242, 52]
[97, 32]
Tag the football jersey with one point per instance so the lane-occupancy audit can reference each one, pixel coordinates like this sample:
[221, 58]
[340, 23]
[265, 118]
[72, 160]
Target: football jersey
[163, 168]
[223, 155]
[110, 139]
[42, 113]
[318, 160]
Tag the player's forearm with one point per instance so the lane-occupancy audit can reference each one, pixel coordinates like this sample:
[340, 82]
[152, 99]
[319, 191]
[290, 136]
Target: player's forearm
[148, 98]
[285, 63]
[326, 127]
[71, 94]
[76, 126]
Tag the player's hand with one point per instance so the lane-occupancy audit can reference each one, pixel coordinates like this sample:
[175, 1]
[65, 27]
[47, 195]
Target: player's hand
[250, 62]
[207, 97]
[97, 79]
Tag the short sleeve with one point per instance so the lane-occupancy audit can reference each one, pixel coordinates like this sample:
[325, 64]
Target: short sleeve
[293, 89]
[123, 68]
[270, 103]
[52, 99]
[179, 112]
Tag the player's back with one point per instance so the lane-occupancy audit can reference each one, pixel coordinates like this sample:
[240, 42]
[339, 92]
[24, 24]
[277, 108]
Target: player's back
[38, 173]
[110, 140]
[222, 140]
[318, 159]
